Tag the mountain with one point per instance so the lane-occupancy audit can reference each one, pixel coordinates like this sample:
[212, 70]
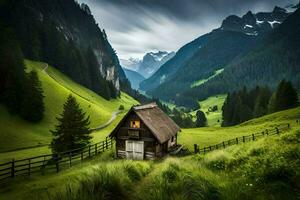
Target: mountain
[167, 70]
[64, 34]
[131, 63]
[152, 61]
[275, 59]
[201, 59]
[134, 77]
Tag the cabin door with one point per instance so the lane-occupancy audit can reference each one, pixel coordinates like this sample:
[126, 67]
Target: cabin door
[135, 149]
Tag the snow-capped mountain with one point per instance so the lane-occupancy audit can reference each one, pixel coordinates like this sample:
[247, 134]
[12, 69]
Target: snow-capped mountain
[131, 63]
[255, 24]
[202, 57]
[152, 61]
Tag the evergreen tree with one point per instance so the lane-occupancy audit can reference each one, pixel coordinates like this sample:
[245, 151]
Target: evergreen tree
[12, 71]
[244, 105]
[271, 105]
[261, 102]
[201, 120]
[72, 131]
[286, 96]
[33, 107]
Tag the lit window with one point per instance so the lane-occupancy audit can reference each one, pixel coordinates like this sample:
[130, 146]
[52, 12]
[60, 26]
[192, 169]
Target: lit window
[135, 124]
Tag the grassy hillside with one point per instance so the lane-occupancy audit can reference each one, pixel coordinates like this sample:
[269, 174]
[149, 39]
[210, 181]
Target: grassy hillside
[16, 133]
[214, 119]
[264, 169]
[202, 81]
[212, 135]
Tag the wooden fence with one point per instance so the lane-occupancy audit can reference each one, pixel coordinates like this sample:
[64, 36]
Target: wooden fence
[51, 162]
[243, 139]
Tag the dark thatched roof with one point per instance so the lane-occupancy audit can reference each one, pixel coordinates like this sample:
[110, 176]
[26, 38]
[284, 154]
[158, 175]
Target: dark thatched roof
[161, 126]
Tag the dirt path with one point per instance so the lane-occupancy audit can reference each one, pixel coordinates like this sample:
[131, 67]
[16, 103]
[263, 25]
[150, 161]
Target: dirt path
[113, 117]
[101, 126]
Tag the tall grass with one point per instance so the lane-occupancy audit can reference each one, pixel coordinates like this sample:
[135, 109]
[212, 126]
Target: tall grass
[111, 181]
[267, 169]
[179, 180]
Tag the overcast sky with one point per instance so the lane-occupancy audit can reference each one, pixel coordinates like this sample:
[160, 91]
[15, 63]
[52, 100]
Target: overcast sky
[135, 27]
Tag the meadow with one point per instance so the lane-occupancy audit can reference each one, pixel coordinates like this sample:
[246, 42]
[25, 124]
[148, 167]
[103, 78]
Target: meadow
[20, 138]
[214, 118]
[264, 169]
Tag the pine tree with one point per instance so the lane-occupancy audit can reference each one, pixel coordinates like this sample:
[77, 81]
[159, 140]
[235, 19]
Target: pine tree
[72, 131]
[201, 120]
[12, 71]
[33, 107]
[286, 96]
[271, 105]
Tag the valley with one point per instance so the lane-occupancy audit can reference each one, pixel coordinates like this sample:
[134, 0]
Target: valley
[214, 170]
[156, 80]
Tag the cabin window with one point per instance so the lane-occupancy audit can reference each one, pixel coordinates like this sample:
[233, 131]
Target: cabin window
[135, 124]
[172, 139]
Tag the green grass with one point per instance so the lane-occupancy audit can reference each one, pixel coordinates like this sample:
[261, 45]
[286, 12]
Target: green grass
[214, 119]
[212, 135]
[264, 169]
[17, 134]
[202, 81]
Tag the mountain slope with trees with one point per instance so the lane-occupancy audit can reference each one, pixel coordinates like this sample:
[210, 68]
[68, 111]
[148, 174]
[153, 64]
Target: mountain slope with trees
[234, 40]
[276, 59]
[65, 35]
[17, 133]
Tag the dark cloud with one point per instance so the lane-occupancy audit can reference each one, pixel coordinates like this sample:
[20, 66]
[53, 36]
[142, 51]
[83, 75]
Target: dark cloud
[138, 26]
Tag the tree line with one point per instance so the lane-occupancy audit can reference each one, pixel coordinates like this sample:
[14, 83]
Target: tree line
[20, 92]
[244, 104]
[51, 32]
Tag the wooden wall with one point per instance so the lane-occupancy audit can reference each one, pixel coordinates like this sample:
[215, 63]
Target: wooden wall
[152, 148]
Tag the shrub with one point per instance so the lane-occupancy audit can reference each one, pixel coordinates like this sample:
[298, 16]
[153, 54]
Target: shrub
[121, 107]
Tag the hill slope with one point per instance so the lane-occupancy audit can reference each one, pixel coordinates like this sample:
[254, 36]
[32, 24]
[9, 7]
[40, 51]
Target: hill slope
[223, 48]
[65, 35]
[254, 170]
[17, 134]
[276, 59]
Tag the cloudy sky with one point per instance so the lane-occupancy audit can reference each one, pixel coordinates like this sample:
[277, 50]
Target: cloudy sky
[135, 27]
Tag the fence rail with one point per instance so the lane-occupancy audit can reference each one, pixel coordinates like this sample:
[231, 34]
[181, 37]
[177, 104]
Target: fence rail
[51, 162]
[243, 139]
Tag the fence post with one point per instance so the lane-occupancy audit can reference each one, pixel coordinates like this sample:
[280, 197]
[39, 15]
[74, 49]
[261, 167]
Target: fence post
[224, 145]
[253, 137]
[96, 149]
[204, 150]
[237, 140]
[81, 155]
[277, 130]
[106, 143]
[288, 125]
[103, 146]
[217, 146]
[13, 168]
[57, 162]
[29, 166]
[195, 148]
[244, 139]
[209, 148]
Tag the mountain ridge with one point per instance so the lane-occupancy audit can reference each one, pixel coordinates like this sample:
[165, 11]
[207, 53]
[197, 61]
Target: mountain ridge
[65, 34]
[236, 41]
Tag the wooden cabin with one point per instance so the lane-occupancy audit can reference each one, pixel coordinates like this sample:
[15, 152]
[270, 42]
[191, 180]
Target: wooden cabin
[145, 132]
